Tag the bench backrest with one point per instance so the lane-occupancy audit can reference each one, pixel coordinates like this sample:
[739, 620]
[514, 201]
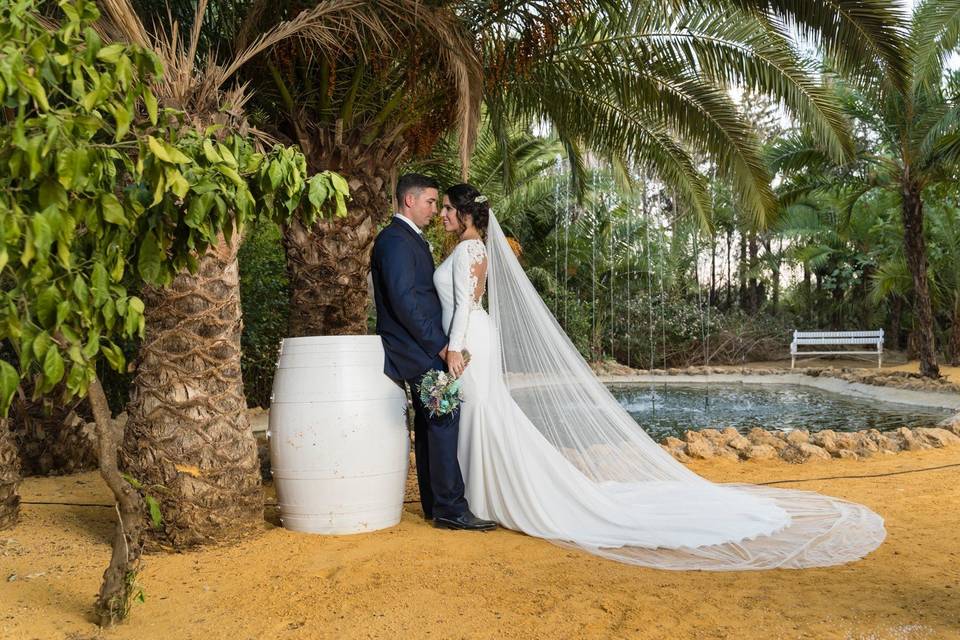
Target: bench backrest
[838, 337]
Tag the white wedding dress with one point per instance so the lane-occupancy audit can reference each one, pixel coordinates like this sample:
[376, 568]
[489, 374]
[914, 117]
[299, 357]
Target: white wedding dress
[546, 450]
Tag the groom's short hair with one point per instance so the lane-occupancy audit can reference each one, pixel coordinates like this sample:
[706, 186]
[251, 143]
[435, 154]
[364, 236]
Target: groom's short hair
[414, 182]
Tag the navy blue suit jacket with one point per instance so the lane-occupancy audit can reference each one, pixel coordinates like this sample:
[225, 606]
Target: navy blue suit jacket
[409, 316]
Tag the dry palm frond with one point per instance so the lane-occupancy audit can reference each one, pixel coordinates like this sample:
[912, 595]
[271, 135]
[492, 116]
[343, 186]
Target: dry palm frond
[330, 27]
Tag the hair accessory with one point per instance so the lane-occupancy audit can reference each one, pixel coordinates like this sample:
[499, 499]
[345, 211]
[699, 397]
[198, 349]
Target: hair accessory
[480, 198]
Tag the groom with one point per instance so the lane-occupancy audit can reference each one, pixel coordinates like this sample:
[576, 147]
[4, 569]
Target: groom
[409, 323]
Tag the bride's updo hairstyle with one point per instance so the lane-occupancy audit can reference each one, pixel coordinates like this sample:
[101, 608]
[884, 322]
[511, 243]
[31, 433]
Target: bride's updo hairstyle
[468, 201]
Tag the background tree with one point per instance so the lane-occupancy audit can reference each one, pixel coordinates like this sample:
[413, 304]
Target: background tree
[914, 130]
[188, 430]
[89, 187]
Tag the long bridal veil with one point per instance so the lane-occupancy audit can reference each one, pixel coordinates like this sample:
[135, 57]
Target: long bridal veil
[556, 389]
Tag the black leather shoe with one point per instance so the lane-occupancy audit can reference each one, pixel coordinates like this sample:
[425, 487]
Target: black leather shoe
[465, 522]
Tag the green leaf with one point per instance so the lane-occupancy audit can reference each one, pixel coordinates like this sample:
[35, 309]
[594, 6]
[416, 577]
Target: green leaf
[114, 356]
[227, 155]
[100, 281]
[63, 310]
[318, 191]
[155, 517]
[136, 484]
[112, 210]
[177, 183]
[210, 153]
[275, 173]
[42, 234]
[75, 377]
[123, 116]
[198, 209]
[150, 101]
[148, 262]
[80, 290]
[167, 152]
[40, 345]
[52, 368]
[47, 303]
[9, 381]
[111, 53]
[339, 183]
[32, 86]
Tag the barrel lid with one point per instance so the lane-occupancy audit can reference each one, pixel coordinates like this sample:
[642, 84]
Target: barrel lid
[331, 344]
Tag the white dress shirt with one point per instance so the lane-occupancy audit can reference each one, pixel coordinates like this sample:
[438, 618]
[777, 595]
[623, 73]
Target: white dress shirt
[409, 222]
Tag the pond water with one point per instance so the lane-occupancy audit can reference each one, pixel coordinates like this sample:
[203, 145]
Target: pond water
[670, 409]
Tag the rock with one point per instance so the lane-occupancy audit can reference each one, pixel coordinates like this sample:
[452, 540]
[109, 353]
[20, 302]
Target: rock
[693, 436]
[826, 439]
[773, 439]
[673, 443]
[729, 434]
[848, 441]
[713, 436]
[741, 444]
[845, 454]
[760, 452]
[804, 452]
[798, 436]
[882, 441]
[700, 449]
[937, 437]
[908, 441]
[953, 425]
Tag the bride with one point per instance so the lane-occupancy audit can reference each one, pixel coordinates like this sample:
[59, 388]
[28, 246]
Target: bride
[545, 449]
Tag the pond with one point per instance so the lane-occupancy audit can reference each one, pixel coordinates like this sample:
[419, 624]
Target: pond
[670, 409]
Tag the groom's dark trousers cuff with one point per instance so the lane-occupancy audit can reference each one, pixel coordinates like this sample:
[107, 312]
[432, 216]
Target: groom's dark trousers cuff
[435, 447]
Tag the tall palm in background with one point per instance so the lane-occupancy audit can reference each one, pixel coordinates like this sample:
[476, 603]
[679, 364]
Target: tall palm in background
[636, 81]
[916, 129]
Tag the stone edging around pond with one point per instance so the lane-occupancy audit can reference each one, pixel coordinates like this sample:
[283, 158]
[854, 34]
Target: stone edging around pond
[801, 446]
[875, 377]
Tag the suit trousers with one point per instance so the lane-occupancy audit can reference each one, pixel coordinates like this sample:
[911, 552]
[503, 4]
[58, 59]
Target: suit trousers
[435, 448]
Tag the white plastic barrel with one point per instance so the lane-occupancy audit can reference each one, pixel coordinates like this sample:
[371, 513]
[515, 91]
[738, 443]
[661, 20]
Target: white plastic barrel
[339, 447]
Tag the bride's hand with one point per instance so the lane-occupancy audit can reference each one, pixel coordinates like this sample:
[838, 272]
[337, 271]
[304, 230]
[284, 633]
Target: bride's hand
[455, 364]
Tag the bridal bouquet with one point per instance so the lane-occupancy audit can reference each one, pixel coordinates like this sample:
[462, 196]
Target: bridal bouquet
[440, 391]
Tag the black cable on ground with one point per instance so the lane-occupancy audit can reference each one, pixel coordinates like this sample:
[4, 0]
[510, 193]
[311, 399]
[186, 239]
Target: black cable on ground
[875, 475]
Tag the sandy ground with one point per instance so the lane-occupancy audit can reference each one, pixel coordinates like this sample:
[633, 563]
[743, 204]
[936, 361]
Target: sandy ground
[413, 581]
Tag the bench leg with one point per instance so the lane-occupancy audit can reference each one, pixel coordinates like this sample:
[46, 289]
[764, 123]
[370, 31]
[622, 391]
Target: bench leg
[793, 361]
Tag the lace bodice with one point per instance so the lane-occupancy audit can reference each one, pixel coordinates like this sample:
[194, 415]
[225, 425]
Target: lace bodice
[460, 281]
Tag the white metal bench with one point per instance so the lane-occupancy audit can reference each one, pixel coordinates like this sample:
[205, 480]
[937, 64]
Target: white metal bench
[815, 338]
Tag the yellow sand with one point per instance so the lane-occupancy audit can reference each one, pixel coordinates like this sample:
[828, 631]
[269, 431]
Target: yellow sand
[413, 581]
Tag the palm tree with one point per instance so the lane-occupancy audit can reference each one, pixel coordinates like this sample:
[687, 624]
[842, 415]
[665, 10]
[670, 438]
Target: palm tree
[635, 81]
[9, 478]
[187, 434]
[916, 127]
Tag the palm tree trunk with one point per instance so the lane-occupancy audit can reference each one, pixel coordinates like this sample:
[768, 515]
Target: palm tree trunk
[9, 477]
[955, 336]
[713, 270]
[188, 439]
[753, 288]
[328, 264]
[916, 253]
[743, 272]
[729, 267]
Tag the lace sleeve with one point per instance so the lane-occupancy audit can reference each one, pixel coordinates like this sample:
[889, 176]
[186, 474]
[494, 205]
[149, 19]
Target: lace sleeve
[469, 281]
